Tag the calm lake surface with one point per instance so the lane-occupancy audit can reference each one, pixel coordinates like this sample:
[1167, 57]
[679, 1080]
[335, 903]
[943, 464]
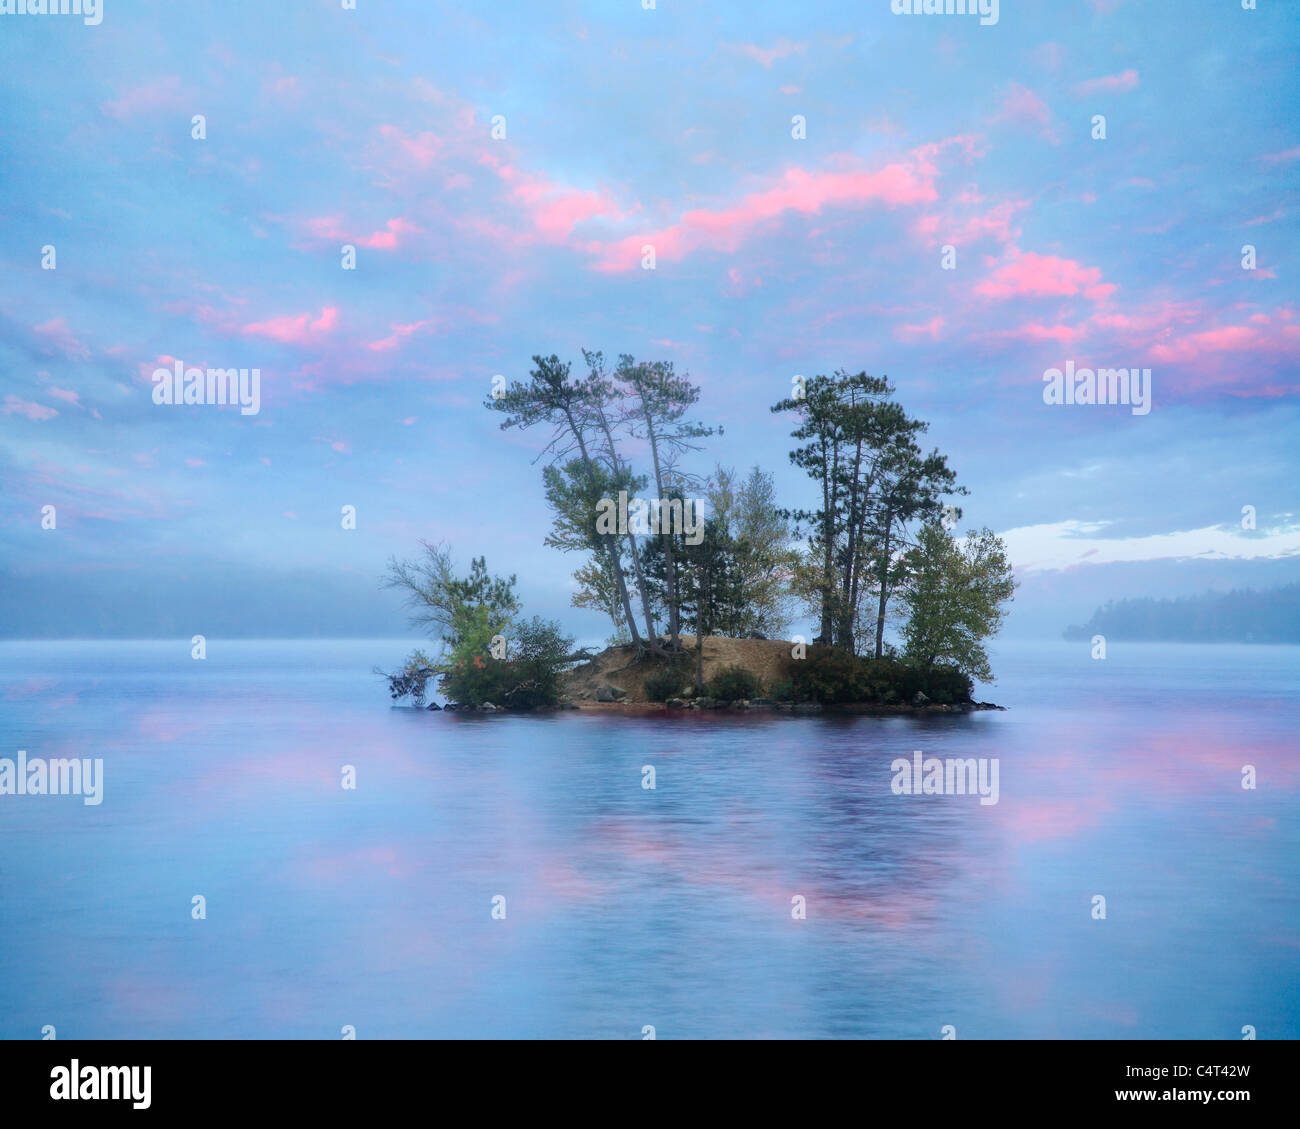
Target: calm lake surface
[627, 907]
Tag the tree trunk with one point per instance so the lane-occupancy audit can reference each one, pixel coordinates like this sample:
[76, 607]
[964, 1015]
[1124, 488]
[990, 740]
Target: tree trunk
[884, 588]
[607, 540]
[631, 537]
[851, 554]
[828, 546]
[674, 620]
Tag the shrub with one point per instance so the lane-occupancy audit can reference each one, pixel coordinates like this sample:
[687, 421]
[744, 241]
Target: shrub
[529, 677]
[782, 690]
[733, 683]
[664, 684]
[830, 675]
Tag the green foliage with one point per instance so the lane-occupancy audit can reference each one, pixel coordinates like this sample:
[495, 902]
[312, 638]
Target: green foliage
[668, 681]
[833, 675]
[440, 601]
[468, 614]
[955, 594]
[782, 690]
[755, 536]
[875, 481]
[734, 683]
[528, 677]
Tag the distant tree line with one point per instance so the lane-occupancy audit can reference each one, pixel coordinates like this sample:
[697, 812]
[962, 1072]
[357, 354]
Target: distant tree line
[1243, 615]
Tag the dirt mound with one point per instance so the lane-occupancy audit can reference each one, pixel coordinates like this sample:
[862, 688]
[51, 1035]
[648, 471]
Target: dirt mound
[620, 668]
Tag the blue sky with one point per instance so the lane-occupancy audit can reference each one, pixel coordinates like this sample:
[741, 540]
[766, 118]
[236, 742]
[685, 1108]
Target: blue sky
[774, 256]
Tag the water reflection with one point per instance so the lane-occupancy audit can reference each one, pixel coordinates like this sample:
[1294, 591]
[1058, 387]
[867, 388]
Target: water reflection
[627, 907]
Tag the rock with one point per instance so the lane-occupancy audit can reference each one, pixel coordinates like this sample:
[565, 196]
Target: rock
[920, 699]
[433, 706]
[675, 703]
[609, 693]
[488, 707]
[760, 702]
[808, 707]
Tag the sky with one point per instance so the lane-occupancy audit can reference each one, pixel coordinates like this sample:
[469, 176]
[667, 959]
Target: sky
[799, 172]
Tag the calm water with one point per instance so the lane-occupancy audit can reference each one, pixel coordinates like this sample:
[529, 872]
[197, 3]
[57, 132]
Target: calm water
[627, 907]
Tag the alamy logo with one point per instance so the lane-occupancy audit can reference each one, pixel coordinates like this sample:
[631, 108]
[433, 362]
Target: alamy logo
[91, 11]
[987, 10]
[675, 515]
[1105, 386]
[953, 776]
[216, 386]
[63, 776]
[102, 1083]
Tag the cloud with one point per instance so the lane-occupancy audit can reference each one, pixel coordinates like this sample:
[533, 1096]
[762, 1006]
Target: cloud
[1032, 275]
[902, 183]
[1020, 105]
[37, 413]
[1120, 83]
[387, 240]
[766, 56]
[1069, 544]
[299, 330]
[421, 149]
[57, 334]
[400, 333]
[930, 329]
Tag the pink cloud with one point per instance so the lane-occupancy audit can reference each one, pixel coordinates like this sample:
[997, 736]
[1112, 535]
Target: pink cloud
[299, 330]
[66, 395]
[556, 210]
[553, 209]
[1120, 83]
[781, 49]
[930, 329]
[332, 228]
[997, 223]
[387, 240]
[1284, 157]
[1022, 106]
[37, 413]
[1230, 339]
[1031, 275]
[400, 333]
[57, 333]
[902, 183]
[1035, 331]
[423, 149]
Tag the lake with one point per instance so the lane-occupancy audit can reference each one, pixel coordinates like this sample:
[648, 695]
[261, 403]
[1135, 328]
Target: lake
[380, 907]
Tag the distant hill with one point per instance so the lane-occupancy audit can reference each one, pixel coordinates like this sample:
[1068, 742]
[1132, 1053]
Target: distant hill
[1239, 616]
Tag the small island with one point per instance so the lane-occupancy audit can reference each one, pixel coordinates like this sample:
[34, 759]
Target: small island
[702, 574]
